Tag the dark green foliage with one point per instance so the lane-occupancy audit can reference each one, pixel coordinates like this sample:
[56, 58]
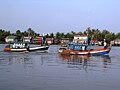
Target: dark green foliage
[92, 33]
[3, 35]
[118, 35]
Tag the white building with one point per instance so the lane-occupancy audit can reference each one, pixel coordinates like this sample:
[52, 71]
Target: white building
[80, 39]
[27, 39]
[115, 42]
[11, 39]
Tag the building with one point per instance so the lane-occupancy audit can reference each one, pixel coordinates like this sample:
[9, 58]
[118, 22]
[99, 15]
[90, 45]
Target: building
[11, 39]
[94, 41]
[38, 40]
[27, 39]
[64, 40]
[115, 42]
[49, 40]
[83, 39]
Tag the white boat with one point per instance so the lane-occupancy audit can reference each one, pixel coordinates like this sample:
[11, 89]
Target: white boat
[23, 46]
[38, 48]
[16, 47]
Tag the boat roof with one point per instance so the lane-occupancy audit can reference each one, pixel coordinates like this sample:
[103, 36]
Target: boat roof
[21, 43]
[78, 44]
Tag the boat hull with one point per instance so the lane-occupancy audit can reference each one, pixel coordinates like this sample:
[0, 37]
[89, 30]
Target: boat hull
[98, 51]
[7, 49]
[74, 52]
[29, 49]
[18, 49]
[39, 48]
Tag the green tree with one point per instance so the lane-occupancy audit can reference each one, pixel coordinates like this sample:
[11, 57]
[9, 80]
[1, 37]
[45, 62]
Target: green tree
[104, 32]
[47, 36]
[51, 35]
[62, 35]
[88, 32]
[113, 36]
[3, 35]
[18, 34]
[24, 33]
[80, 33]
[30, 32]
[58, 35]
[73, 32]
[108, 37]
[118, 35]
[97, 34]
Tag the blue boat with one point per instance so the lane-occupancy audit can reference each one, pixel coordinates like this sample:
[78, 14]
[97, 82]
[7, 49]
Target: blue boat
[74, 48]
[83, 49]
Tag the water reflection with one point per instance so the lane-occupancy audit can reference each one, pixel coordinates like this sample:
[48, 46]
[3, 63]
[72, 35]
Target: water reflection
[106, 61]
[76, 61]
[15, 59]
[85, 61]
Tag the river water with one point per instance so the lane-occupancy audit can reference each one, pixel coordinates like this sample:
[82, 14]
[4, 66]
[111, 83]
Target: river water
[51, 71]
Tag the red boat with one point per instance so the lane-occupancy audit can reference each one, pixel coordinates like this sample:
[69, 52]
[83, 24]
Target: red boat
[82, 49]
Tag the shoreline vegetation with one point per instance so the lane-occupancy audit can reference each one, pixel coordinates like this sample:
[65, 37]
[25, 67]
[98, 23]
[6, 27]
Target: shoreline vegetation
[92, 33]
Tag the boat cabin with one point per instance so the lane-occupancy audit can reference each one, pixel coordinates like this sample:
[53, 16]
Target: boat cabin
[82, 39]
[77, 46]
[80, 42]
[20, 45]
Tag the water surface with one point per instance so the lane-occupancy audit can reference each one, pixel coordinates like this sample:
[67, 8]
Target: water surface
[51, 71]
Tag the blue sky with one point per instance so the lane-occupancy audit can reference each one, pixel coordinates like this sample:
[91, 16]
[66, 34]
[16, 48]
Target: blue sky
[46, 16]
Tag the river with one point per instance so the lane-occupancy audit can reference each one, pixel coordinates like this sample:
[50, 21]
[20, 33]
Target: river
[52, 71]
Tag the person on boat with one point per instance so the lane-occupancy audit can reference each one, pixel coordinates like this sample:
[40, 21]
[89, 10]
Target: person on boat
[28, 47]
[105, 44]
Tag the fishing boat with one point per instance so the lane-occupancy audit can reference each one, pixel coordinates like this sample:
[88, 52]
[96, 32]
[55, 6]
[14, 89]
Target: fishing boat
[83, 49]
[100, 51]
[23, 47]
[39, 48]
[16, 47]
[80, 46]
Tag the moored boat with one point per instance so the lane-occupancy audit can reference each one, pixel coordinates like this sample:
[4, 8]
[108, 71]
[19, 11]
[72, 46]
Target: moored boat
[23, 46]
[80, 46]
[16, 47]
[83, 49]
[100, 51]
[39, 48]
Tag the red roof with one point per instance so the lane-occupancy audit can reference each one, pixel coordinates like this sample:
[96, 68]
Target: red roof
[49, 39]
[37, 38]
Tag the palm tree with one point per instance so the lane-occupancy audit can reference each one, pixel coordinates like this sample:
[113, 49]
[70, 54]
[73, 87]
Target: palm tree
[30, 32]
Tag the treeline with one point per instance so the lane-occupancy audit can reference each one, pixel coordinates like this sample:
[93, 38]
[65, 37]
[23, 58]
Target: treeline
[92, 33]
[18, 33]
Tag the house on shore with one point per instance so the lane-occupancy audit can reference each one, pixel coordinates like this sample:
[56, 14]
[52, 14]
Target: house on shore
[115, 42]
[49, 41]
[11, 39]
[38, 40]
[64, 40]
[82, 39]
[94, 41]
[27, 39]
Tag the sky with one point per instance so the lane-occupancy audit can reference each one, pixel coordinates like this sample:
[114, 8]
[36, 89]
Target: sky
[51, 16]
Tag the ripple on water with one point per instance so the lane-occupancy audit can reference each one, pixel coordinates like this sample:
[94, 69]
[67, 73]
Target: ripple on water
[52, 71]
